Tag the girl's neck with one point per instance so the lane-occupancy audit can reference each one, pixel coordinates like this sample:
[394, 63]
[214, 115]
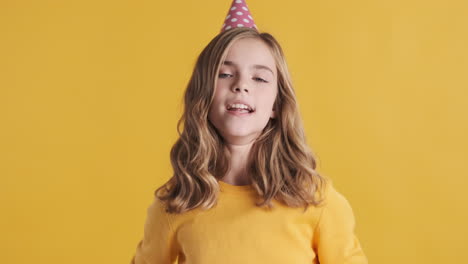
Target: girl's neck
[238, 163]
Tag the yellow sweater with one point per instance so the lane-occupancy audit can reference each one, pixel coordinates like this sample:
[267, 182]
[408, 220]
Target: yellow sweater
[235, 231]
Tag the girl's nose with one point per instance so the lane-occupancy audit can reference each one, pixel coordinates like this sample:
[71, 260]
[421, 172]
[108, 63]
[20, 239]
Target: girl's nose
[238, 89]
[240, 86]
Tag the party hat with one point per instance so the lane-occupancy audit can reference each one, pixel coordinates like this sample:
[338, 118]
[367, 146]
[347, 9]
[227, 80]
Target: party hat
[238, 16]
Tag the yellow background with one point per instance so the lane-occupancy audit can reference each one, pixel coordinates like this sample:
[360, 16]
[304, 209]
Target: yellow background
[90, 93]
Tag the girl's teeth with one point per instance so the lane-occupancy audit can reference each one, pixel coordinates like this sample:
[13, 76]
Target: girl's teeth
[239, 106]
[240, 110]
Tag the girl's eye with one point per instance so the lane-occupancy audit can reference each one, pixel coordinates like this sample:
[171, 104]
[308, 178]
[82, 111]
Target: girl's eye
[223, 75]
[260, 79]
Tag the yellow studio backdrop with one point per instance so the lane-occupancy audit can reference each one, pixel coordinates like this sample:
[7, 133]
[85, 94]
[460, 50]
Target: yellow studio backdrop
[90, 94]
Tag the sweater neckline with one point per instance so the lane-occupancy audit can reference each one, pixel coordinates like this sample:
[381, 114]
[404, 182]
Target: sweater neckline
[230, 188]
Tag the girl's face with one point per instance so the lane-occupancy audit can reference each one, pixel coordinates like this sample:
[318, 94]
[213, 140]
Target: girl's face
[247, 78]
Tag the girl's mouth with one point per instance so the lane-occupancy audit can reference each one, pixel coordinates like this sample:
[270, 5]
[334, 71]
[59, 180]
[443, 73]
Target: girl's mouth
[240, 112]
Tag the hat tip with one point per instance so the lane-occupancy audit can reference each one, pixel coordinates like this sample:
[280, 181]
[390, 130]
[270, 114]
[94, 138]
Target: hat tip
[238, 16]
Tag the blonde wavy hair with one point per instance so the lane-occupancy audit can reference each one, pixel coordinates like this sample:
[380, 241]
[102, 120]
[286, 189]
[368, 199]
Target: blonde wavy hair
[280, 163]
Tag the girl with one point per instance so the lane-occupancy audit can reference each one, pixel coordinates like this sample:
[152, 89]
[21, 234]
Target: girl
[244, 177]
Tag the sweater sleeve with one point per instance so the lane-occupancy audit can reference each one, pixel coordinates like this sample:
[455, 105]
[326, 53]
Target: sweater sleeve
[158, 245]
[334, 239]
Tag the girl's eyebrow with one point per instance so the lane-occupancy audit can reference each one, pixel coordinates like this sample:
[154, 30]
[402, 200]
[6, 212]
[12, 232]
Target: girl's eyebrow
[255, 66]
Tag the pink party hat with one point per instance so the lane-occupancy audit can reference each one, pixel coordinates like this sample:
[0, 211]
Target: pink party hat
[238, 16]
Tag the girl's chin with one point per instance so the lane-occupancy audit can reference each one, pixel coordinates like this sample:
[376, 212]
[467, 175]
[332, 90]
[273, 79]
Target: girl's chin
[239, 135]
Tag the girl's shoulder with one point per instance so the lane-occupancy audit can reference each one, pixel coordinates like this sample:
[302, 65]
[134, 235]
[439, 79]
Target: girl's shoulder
[335, 204]
[331, 192]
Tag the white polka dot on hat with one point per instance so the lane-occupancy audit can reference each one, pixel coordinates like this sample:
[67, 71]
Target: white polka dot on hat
[235, 14]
